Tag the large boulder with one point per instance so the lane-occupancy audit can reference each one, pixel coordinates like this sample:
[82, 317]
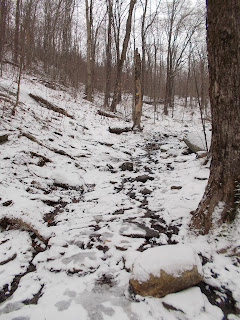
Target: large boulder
[196, 141]
[162, 270]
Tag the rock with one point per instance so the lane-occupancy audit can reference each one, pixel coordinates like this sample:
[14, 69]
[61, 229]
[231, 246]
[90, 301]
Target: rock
[180, 302]
[162, 270]
[7, 203]
[176, 187]
[3, 138]
[196, 141]
[146, 191]
[127, 166]
[202, 154]
[144, 178]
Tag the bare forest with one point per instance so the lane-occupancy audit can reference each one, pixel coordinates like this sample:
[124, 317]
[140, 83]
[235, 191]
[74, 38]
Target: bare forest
[92, 42]
[119, 159]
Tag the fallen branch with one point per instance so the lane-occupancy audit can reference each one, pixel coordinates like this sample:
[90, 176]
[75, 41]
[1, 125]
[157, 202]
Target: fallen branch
[12, 63]
[46, 104]
[32, 138]
[119, 130]
[18, 223]
[42, 159]
[6, 98]
[161, 101]
[8, 260]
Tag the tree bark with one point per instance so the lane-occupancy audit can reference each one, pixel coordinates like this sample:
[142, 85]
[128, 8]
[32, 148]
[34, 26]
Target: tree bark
[220, 202]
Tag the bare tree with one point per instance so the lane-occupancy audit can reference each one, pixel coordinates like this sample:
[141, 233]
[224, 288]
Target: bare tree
[17, 30]
[3, 18]
[146, 24]
[117, 89]
[89, 19]
[108, 54]
[181, 24]
[137, 109]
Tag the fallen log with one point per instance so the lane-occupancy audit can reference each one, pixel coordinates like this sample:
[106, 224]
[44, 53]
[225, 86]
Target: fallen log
[46, 104]
[119, 130]
[106, 114]
[32, 138]
[161, 101]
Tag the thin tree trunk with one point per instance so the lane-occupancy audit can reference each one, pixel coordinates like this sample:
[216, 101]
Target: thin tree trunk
[17, 28]
[108, 56]
[3, 13]
[18, 88]
[137, 111]
[89, 51]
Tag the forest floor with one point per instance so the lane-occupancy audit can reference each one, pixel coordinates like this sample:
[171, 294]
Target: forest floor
[78, 204]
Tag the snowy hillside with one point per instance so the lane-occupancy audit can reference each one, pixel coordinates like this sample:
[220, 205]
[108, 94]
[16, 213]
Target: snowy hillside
[73, 220]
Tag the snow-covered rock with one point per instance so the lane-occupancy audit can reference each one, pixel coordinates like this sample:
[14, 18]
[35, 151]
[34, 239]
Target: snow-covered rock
[196, 141]
[166, 269]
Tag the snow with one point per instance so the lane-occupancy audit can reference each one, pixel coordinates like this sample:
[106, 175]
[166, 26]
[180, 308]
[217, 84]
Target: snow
[101, 222]
[172, 259]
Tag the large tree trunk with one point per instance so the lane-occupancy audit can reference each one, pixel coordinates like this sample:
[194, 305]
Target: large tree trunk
[220, 202]
[117, 90]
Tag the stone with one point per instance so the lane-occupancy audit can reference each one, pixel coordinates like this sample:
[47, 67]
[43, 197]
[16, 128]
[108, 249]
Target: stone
[127, 166]
[202, 154]
[176, 187]
[146, 191]
[144, 178]
[180, 302]
[3, 138]
[196, 141]
[166, 269]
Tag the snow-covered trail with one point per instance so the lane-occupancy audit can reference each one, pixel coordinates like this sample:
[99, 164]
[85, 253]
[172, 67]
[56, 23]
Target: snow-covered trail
[64, 178]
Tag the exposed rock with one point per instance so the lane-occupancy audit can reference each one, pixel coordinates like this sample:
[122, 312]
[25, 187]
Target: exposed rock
[7, 203]
[126, 166]
[3, 138]
[192, 146]
[146, 191]
[144, 178]
[176, 187]
[202, 154]
[162, 270]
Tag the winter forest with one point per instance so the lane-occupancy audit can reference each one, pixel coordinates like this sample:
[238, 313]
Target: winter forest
[119, 159]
